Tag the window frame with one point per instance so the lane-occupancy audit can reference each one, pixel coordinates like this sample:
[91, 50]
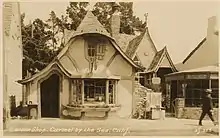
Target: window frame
[192, 89]
[95, 87]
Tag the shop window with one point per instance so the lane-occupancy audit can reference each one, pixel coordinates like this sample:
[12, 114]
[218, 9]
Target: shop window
[215, 92]
[193, 93]
[112, 90]
[95, 91]
[195, 90]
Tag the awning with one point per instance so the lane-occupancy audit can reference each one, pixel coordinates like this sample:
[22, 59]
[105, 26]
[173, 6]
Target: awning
[208, 72]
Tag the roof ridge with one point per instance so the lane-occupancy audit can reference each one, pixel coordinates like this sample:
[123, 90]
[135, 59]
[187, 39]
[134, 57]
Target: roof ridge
[194, 50]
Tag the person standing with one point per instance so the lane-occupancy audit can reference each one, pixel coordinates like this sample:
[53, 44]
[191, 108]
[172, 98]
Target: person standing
[207, 107]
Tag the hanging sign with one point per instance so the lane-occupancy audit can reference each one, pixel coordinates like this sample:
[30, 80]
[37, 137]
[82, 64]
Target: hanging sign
[156, 80]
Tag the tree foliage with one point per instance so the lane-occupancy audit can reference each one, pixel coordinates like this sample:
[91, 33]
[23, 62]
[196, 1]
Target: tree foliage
[103, 11]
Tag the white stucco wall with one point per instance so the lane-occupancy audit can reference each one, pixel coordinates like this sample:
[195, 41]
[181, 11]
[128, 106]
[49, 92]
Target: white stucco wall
[33, 95]
[13, 52]
[65, 91]
[125, 98]
[208, 52]
[119, 66]
[146, 51]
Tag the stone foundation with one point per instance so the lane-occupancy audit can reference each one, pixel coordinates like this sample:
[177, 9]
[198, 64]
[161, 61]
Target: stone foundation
[194, 113]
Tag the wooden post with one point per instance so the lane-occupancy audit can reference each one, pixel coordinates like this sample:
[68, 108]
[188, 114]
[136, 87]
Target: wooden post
[107, 92]
[210, 83]
[70, 91]
[114, 89]
[177, 90]
[116, 92]
[82, 91]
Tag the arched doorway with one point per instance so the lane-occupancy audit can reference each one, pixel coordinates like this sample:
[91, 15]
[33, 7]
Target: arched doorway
[49, 90]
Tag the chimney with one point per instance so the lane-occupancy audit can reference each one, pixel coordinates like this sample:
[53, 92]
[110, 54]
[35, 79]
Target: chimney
[115, 20]
[212, 26]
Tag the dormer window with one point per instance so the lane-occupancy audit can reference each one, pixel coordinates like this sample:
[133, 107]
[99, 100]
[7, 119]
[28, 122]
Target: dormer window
[95, 48]
[100, 51]
[91, 50]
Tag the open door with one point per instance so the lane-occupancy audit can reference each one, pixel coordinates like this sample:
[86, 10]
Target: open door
[49, 90]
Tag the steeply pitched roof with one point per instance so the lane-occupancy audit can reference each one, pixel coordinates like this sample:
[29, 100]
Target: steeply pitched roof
[190, 54]
[123, 40]
[155, 64]
[134, 44]
[89, 25]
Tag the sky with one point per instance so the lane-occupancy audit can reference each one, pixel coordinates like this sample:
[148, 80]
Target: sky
[179, 25]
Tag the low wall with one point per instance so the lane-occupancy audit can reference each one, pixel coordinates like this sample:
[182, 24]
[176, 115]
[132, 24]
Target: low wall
[191, 112]
[194, 113]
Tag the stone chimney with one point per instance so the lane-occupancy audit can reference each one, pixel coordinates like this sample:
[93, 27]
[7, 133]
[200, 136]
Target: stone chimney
[115, 20]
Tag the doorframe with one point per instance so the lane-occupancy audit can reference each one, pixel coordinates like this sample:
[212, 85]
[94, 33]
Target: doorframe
[43, 78]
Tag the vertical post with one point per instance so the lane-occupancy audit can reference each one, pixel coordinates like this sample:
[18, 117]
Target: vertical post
[107, 92]
[38, 98]
[82, 91]
[116, 92]
[177, 90]
[210, 83]
[70, 91]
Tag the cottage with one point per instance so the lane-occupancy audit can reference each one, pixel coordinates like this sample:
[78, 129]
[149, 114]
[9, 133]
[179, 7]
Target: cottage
[95, 73]
[91, 72]
[198, 71]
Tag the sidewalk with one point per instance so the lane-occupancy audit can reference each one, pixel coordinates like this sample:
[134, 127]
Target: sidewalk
[169, 126]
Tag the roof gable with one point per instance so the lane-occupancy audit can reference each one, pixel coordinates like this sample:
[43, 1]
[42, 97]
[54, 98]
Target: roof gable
[158, 60]
[191, 53]
[135, 44]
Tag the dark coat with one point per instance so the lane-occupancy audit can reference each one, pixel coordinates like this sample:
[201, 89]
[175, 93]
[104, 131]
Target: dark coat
[207, 103]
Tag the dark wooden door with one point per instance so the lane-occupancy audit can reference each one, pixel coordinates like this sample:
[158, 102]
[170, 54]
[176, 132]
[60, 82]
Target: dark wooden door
[50, 97]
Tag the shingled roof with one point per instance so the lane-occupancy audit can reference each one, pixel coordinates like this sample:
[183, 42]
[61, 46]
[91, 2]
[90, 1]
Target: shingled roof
[134, 44]
[123, 40]
[158, 59]
[90, 24]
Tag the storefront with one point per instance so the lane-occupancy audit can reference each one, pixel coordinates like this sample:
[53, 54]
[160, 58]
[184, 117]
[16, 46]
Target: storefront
[186, 89]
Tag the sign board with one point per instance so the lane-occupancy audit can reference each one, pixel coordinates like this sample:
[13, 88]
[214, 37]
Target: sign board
[156, 80]
[201, 76]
